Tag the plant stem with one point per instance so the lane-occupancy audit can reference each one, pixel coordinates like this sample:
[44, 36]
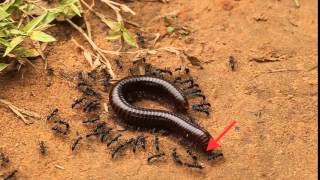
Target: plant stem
[95, 47]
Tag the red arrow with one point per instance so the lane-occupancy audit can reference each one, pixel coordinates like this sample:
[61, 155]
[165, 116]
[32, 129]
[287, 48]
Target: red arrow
[213, 144]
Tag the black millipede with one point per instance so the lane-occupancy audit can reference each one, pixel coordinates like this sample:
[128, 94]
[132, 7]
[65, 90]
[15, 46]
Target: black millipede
[126, 91]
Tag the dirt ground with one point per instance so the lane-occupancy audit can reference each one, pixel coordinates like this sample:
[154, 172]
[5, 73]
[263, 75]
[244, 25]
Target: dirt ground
[275, 103]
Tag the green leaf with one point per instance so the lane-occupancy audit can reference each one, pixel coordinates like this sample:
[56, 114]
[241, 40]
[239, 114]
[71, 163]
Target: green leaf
[114, 35]
[51, 16]
[75, 9]
[129, 39]
[16, 32]
[25, 53]
[66, 2]
[26, 8]
[3, 34]
[14, 42]
[34, 23]
[4, 42]
[3, 66]
[3, 14]
[41, 36]
[170, 29]
[7, 23]
[12, 5]
[113, 25]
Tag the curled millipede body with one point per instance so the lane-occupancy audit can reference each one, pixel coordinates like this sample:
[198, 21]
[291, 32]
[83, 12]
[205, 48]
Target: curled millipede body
[126, 91]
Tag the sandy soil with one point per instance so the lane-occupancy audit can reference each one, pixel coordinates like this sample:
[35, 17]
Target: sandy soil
[275, 103]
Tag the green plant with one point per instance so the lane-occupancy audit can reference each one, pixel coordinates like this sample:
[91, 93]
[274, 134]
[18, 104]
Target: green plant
[118, 31]
[14, 33]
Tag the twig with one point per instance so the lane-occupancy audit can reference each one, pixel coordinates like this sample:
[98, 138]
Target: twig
[277, 71]
[85, 52]
[283, 70]
[20, 112]
[40, 51]
[105, 106]
[59, 167]
[123, 7]
[155, 40]
[88, 26]
[174, 50]
[297, 3]
[102, 16]
[95, 47]
[263, 60]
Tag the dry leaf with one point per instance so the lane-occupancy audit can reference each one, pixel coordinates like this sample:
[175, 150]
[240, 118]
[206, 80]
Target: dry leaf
[193, 60]
[87, 55]
[96, 63]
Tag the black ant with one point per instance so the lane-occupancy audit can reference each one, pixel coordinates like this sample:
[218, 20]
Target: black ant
[106, 80]
[106, 83]
[89, 91]
[119, 63]
[156, 143]
[197, 94]
[60, 130]
[142, 141]
[194, 165]
[10, 175]
[232, 63]
[77, 101]
[76, 142]
[176, 157]
[51, 115]
[204, 103]
[140, 40]
[104, 135]
[3, 159]
[184, 81]
[100, 127]
[114, 139]
[50, 71]
[101, 130]
[139, 141]
[93, 134]
[92, 75]
[91, 105]
[215, 155]
[82, 84]
[148, 69]
[201, 109]
[92, 120]
[42, 148]
[156, 156]
[121, 147]
[192, 91]
[64, 123]
[190, 87]
[186, 70]
[193, 156]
